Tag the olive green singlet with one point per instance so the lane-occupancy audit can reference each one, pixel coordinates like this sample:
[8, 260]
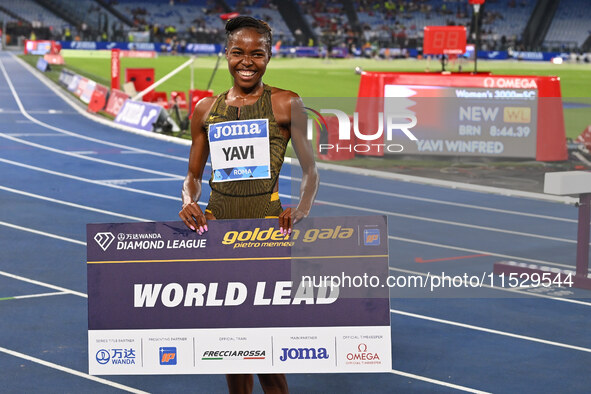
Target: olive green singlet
[248, 199]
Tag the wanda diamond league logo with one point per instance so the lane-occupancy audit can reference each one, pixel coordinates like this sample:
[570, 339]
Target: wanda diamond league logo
[104, 240]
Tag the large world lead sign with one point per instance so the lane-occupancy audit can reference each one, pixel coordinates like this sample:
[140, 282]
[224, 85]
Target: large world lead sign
[241, 298]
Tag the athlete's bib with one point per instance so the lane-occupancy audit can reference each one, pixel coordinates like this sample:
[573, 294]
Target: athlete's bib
[240, 150]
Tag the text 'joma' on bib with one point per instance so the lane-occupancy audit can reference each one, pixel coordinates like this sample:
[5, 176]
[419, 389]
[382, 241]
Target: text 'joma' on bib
[240, 150]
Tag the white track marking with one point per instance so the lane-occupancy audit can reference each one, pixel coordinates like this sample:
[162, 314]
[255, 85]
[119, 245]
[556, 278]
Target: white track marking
[447, 222]
[124, 181]
[351, 207]
[454, 204]
[491, 331]
[45, 234]
[90, 158]
[71, 204]
[92, 181]
[476, 251]
[43, 284]
[381, 212]
[438, 382]
[447, 184]
[509, 290]
[71, 371]
[38, 295]
[36, 135]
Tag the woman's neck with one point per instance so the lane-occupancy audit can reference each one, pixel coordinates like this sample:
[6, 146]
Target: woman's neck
[238, 92]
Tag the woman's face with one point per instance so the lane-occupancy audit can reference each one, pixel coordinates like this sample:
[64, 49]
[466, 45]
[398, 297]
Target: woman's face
[247, 54]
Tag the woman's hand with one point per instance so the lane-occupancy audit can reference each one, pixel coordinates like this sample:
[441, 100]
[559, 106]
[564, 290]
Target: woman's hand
[288, 218]
[193, 217]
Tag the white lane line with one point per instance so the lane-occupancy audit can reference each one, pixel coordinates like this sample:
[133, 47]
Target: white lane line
[351, 207]
[477, 251]
[125, 181]
[509, 290]
[89, 158]
[46, 234]
[381, 212]
[71, 204]
[392, 176]
[83, 152]
[71, 371]
[447, 222]
[441, 202]
[43, 284]
[438, 382]
[72, 134]
[35, 135]
[77, 178]
[491, 331]
[35, 295]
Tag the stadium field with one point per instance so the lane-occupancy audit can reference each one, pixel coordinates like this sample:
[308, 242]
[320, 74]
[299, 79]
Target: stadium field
[336, 77]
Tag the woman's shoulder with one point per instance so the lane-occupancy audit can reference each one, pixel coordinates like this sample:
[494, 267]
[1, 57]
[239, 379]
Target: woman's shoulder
[283, 98]
[204, 105]
[279, 94]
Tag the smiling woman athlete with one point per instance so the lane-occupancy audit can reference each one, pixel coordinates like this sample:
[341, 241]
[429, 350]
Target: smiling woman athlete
[246, 129]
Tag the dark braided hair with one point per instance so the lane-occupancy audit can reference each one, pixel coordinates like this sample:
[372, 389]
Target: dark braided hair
[241, 22]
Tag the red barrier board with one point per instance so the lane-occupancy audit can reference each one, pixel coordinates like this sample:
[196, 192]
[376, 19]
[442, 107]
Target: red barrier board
[180, 98]
[115, 69]
[531, 102]
[98, 100]
[195, 95]
[54, 59]
[116, 100]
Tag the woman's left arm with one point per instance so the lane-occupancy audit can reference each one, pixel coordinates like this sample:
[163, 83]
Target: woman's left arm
[305, 155]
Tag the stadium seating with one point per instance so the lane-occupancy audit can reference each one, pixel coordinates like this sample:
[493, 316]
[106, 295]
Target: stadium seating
[324, 16]
[181, 15]
[89, 12]
[571, 24]
[264, 10]
[505, 18]
[34, 13]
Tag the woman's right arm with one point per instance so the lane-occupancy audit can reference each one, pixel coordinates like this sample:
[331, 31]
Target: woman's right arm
[191, 214]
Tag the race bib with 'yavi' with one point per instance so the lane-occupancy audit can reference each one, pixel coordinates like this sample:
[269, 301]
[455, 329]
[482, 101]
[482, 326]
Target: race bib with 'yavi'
[240, 150]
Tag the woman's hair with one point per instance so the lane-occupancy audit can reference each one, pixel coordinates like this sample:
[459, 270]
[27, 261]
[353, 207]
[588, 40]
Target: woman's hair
[241, 22]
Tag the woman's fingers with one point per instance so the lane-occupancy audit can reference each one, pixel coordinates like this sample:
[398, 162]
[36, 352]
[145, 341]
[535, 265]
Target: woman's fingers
[285, 222]
[194, 218]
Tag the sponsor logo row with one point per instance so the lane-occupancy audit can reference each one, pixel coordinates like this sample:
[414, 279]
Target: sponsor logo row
[352, 352]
